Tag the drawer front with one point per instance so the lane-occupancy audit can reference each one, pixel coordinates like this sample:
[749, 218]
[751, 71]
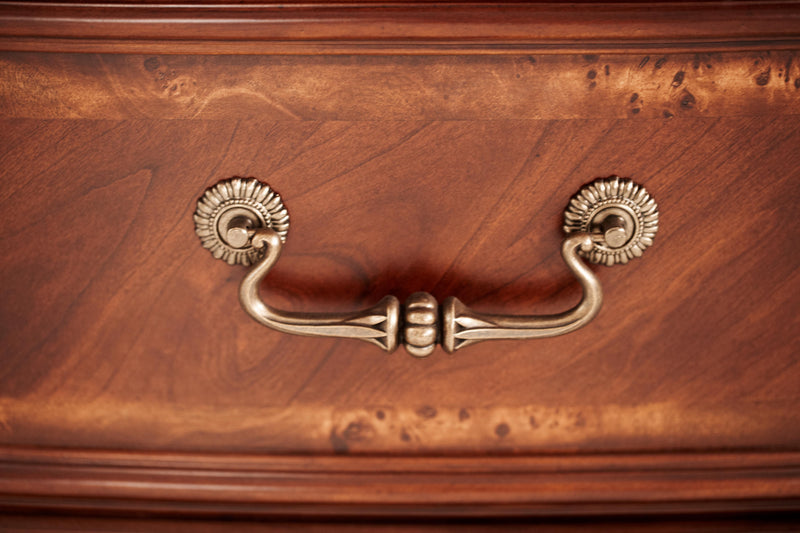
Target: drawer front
[125, 348]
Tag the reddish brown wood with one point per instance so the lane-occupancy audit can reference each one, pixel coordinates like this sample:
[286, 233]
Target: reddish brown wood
[368, 486]
[447, 174]
[405, 27]
[135, 339]
[737, 524]
[610, 86]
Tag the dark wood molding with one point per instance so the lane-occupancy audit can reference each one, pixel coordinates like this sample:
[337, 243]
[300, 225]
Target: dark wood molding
[405, 27]
[546, 485]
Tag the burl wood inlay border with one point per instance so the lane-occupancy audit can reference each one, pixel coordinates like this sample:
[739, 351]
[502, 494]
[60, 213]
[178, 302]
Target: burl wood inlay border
[521, 87]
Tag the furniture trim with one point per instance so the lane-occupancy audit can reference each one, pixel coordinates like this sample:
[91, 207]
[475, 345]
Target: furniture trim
[201, 484]
[398, 28]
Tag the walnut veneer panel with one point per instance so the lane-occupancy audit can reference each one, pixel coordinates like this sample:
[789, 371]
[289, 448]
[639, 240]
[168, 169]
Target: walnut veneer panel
[119, 330]
[447, 174]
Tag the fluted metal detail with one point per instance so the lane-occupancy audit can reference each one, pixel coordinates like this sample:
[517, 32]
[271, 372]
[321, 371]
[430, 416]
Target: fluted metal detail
[626, 200]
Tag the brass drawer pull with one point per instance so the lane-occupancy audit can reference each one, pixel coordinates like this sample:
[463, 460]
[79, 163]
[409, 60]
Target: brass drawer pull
[378, 324]
[243, 221]
[461, 326]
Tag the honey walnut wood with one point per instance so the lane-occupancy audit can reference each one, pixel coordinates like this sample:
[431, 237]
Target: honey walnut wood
[401, 174]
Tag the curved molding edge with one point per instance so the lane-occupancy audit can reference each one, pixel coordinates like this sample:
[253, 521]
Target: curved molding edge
[404, 27]
[191, 484]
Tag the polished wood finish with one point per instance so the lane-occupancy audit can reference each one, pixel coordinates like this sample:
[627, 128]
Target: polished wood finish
[692, 524]
[134, 337]
[614, 86]
[432, 487]
[131, 381]
[402, 27]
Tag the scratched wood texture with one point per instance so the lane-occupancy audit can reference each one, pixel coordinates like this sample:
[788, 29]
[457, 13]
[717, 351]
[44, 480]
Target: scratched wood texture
[443, 174]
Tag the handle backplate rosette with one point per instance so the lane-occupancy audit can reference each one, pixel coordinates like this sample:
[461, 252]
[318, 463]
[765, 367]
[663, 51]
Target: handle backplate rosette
[620, 215]
[228, 212]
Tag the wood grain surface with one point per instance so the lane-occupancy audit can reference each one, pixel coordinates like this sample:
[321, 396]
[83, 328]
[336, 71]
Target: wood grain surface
[43, 524]
[119, 331]
[358, 88]
[410, 27]
[603, 486]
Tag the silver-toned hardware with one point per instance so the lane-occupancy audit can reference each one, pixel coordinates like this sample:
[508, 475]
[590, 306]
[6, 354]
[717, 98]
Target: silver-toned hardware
[228, 212]
[239, 232]
[620, 215]
[615, 231]
[461, 326]
[421, 324]
[244, 221]
[379, 324]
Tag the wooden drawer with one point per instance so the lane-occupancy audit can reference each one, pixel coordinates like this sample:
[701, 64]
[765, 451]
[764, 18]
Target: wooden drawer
[435, 149]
